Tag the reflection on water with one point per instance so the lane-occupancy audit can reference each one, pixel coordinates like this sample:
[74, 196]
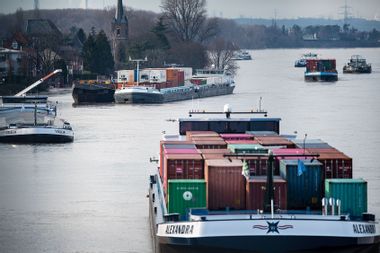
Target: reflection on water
[90, 195]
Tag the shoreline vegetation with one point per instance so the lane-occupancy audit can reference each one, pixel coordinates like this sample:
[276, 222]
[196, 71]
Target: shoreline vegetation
[86, 34]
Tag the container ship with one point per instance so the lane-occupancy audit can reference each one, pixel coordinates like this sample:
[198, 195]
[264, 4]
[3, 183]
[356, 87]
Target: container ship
[93, 91]
[321, 70]
[162, 85]
[357, 64]
[238, 185]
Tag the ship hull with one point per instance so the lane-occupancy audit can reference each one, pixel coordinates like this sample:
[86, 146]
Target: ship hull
[84, 93]
[140, 95]
[36, 135]
[264, 245]
[257, 233]
[321, 77]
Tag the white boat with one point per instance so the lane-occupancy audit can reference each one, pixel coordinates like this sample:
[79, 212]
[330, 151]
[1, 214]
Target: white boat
[302, 62]
[242, 55]
[32, 119]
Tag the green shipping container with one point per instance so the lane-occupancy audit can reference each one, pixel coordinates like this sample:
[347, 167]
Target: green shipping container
[351, 192]
[247, 149]
[185, 194]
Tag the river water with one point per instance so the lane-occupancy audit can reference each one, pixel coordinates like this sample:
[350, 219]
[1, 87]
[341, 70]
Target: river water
[90, 195]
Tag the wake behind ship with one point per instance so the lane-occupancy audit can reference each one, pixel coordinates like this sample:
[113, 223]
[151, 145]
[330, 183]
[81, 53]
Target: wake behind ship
[237, 185]
[171, 84]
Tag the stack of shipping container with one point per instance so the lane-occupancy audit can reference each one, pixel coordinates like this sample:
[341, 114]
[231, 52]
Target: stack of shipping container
[198, 171]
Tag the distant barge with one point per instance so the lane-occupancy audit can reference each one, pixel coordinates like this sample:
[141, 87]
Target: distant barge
[174, 84]
[321, 70]
[357, 65]
[93, 91]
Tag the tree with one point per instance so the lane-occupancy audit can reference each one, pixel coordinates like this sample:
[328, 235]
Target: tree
[81, 35]
[190, 54]
[97, 56]
[221, 53]
[160, 30]
[186, 18]
[88, 52]
[103, 54]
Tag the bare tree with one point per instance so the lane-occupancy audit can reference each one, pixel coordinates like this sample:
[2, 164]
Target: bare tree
[221, 53]
[187, 19]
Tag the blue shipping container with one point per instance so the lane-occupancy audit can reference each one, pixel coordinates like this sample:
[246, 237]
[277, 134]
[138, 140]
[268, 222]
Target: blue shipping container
[305, 190]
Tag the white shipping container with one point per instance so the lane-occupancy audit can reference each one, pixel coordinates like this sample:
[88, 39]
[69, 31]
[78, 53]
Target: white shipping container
[157, 76]
[125, 76]
[144, 75]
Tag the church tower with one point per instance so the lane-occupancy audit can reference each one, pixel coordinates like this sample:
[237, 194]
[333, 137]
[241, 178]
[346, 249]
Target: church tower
[119, 35]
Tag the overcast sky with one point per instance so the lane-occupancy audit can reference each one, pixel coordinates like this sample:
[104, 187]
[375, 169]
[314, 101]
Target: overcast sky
[369, 9]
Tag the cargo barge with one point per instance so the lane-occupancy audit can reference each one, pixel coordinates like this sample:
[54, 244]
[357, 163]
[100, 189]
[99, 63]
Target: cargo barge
[174, 84]
[358, 65]
[93, 91]
[321, 70]
[225, 185]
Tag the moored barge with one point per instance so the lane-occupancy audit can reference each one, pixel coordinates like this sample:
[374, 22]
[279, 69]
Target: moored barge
[93, 91]
[174, 84]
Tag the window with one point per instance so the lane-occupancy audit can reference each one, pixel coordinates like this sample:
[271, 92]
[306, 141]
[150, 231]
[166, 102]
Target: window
[14, 45]
[118, 31]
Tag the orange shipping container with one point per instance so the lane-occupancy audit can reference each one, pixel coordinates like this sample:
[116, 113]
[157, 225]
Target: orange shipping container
[225, 184]
[190, 134]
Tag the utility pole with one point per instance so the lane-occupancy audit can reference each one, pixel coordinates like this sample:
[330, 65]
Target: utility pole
[138, 66]
[346, 15]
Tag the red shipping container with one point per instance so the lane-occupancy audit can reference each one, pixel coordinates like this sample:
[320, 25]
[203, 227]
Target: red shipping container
[206, 138]
[210, 154]
[256, 187]
[225, 184]
[258, 166]
[336, 165]
[215, 151]
[183, 166]
[181, 151]
[181, 78]
[162, 158]
[275, 141]
[204, 144]
[228, 137]
[242, 142]
[213, 156]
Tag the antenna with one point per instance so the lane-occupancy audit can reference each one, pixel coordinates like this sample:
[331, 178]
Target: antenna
[138, 66]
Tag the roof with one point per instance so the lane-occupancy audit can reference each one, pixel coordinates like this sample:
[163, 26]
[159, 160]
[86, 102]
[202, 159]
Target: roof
[41, 27]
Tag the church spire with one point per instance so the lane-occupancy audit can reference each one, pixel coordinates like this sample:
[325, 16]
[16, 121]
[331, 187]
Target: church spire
[119, 16]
